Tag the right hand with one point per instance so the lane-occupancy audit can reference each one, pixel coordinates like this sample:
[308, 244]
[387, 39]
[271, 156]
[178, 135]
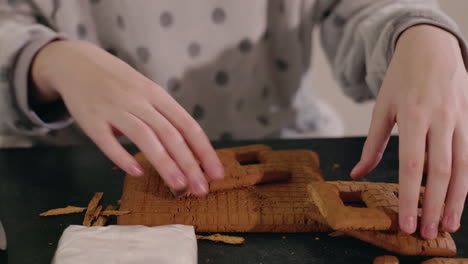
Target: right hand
[104, 94]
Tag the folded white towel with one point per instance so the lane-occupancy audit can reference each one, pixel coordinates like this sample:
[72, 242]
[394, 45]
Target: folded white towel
[115, 244]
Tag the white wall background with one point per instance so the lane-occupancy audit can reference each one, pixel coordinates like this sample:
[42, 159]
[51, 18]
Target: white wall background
[356, 117]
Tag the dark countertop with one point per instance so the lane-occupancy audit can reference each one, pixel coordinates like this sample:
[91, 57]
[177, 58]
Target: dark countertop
[35, 180]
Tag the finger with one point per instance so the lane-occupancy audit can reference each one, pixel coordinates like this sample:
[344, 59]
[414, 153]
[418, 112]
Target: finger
[103, 137]
[145, 139]
[412, 140]
[438, 177]
[193, 134]
[458, 186]
[175, 144]
[379, 133]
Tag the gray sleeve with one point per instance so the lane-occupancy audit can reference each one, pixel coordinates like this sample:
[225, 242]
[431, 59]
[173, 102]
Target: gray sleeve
[359, 38]
[21, 37]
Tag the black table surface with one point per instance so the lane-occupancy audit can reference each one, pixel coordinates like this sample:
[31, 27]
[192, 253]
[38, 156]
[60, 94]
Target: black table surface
[35, 180]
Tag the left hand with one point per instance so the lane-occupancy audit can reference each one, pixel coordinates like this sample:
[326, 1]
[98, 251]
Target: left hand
[425, 92]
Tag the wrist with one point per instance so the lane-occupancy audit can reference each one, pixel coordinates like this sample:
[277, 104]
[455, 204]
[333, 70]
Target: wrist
[432, 41]
[41, 75]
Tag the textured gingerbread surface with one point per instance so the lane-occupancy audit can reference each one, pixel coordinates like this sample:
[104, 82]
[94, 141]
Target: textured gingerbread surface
[238, 176]
[411, 245]
[378, 199]
[339, 216]
[275, 207]
[381, 196]
[446, 261]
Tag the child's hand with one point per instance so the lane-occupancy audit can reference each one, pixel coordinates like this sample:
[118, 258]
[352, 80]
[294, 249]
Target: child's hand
[105, 95]
[425, 92]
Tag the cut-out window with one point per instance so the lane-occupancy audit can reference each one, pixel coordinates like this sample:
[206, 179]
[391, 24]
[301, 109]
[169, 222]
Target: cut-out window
[249, 162]
[339, 204]
[353, 199]
[248, 158]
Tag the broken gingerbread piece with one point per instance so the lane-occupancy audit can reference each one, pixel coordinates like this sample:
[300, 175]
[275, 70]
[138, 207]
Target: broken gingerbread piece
[446, 261]
[102, 219]
[62, 211]
[329, 200]
[114, 212]
[410, 245]
[386, 259]
[96, 213]
[234, 240]
[93, 204]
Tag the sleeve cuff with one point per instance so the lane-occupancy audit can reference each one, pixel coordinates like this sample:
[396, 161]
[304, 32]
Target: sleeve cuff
[50, 116]
[448, 26]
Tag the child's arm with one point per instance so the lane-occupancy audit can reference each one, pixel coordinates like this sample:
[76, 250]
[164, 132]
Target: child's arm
[103, 94]
[425, 93]
[359, 38]
[20, 37]
[407, 52]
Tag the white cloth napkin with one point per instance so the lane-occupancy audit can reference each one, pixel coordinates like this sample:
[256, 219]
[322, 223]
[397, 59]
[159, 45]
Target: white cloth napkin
[115, 244]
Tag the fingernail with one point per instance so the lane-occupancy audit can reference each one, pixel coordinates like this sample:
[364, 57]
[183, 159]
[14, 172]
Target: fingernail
[409, 224]
[353, 171]
[179, 182]
[201, 189]
[430, 231]
[218, 172]
[215, 169]
[135, 170]
[453, 222]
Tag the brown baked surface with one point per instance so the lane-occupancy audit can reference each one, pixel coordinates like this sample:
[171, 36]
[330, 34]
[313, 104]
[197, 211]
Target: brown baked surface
[274, 207]
[330, 201]
[410, 245]
[239, 176]
[377, 195]
[377, 199]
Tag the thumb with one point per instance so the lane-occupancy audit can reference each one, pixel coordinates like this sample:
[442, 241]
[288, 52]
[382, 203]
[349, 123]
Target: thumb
[379, 133]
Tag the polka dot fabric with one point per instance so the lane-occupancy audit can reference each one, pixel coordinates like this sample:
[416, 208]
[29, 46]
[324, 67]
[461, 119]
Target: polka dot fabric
[166, 19]
[234, 66]
[222, 61]
[81, 31]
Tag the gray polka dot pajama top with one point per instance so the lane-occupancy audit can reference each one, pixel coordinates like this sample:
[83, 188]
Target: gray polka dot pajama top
[234, 65]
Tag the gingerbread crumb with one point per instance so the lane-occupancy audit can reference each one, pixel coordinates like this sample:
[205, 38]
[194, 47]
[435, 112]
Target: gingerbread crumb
[62, 211]
[223, 238]
[335, 166]
[336, 234]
